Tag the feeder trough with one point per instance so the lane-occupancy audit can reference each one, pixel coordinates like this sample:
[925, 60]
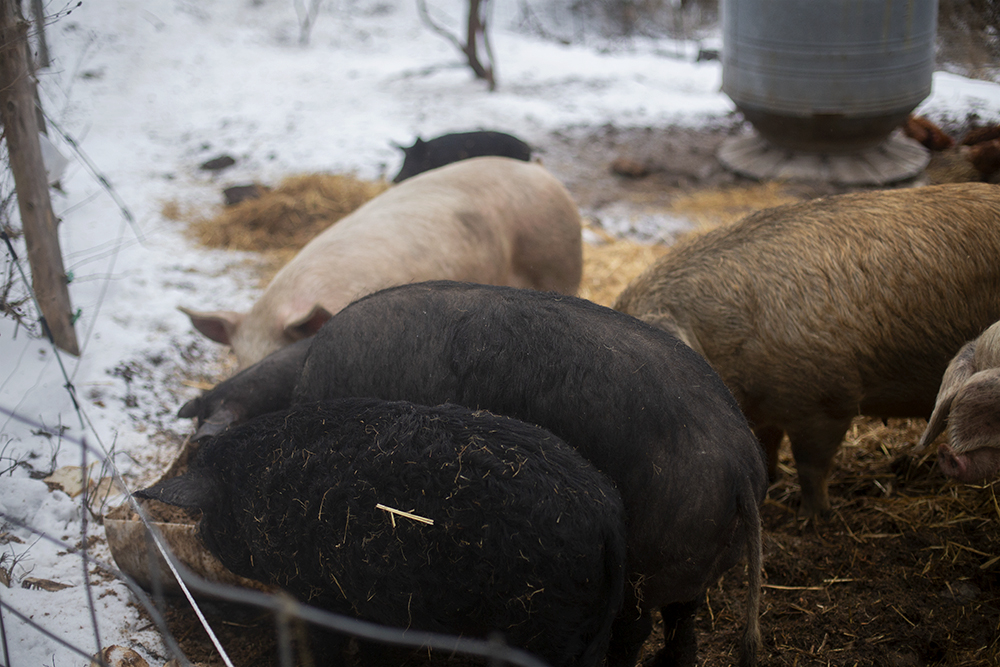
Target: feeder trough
[825, 84]
[133, 551]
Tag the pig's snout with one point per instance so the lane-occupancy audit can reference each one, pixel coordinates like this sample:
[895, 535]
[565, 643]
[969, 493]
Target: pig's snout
[209, 429]
[950, 464]
[972, 466]
[191, 409]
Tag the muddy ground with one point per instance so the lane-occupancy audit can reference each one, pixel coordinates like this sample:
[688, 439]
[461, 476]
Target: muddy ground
[904, 573]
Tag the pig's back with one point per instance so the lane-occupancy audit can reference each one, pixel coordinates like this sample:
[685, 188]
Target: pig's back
[486, 220]
[867, 295]
[635, 401]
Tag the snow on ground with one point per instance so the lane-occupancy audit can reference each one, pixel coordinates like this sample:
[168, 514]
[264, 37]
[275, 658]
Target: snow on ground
[152, 88]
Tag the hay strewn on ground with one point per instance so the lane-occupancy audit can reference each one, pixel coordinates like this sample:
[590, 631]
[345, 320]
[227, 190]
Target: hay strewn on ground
[903, 574]
[711, 207]
[288, 216]
[609, 266]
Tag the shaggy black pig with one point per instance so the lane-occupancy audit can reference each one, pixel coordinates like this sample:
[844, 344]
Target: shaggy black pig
[816, 312]
[426, 155]
[635, 401]
[969, 401]
[505, 526]
[489, 220]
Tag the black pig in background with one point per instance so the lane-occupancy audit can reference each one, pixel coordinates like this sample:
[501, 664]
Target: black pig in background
[426, 155]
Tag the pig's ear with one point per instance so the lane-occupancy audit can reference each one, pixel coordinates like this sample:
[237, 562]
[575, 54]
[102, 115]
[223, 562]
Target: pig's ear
[213, 416]
[974, 412]
[219, 325]
[192, 409]
[958, 372]
[988, 348]
[305, 325]
[190, 490]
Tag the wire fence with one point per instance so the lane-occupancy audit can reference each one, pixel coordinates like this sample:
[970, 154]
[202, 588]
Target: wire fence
[588, 19]
[286, 609]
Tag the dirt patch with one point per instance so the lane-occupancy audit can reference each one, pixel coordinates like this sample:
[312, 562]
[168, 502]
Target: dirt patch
[683, 185]
[903, 573]
[677, 163]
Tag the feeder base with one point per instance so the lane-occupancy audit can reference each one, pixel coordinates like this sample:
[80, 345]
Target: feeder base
[896, 159]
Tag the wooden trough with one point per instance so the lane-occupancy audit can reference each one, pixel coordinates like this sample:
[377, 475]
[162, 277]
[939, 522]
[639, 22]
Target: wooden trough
[138, 557]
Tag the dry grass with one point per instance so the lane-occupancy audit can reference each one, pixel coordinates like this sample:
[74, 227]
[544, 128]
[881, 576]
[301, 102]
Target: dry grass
[609, 266]
[714, 206]
[287, 217]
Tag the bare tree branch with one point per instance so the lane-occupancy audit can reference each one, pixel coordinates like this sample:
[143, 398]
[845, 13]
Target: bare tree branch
[425, 15]
[488, 47]
[307, 18]
[475, 25]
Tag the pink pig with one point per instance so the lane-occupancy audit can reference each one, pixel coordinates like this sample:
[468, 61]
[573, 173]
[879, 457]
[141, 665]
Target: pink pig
[968, 404]
[489, 220]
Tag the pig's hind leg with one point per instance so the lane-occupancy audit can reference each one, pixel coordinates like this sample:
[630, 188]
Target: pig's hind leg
[814, 445]
[680, 644]
[628, 633]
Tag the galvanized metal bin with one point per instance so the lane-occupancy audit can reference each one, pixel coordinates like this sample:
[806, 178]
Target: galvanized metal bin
[830, 76]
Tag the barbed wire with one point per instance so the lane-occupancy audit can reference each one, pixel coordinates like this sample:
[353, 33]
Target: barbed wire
[71, 389]
[97, 175]
[126, 214]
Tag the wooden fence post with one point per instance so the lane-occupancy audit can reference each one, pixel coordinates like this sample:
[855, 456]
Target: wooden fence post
[38, 9]
[17, 110]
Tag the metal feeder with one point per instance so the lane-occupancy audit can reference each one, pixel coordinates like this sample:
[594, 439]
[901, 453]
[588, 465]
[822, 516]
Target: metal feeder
[824, 84]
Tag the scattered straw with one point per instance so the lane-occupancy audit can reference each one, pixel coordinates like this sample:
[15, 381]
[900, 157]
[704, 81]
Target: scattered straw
[172, 210]
[408, 515]
[199, 384]
[715, 206]
[610, 266]
[289, 216]
[903, 616]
